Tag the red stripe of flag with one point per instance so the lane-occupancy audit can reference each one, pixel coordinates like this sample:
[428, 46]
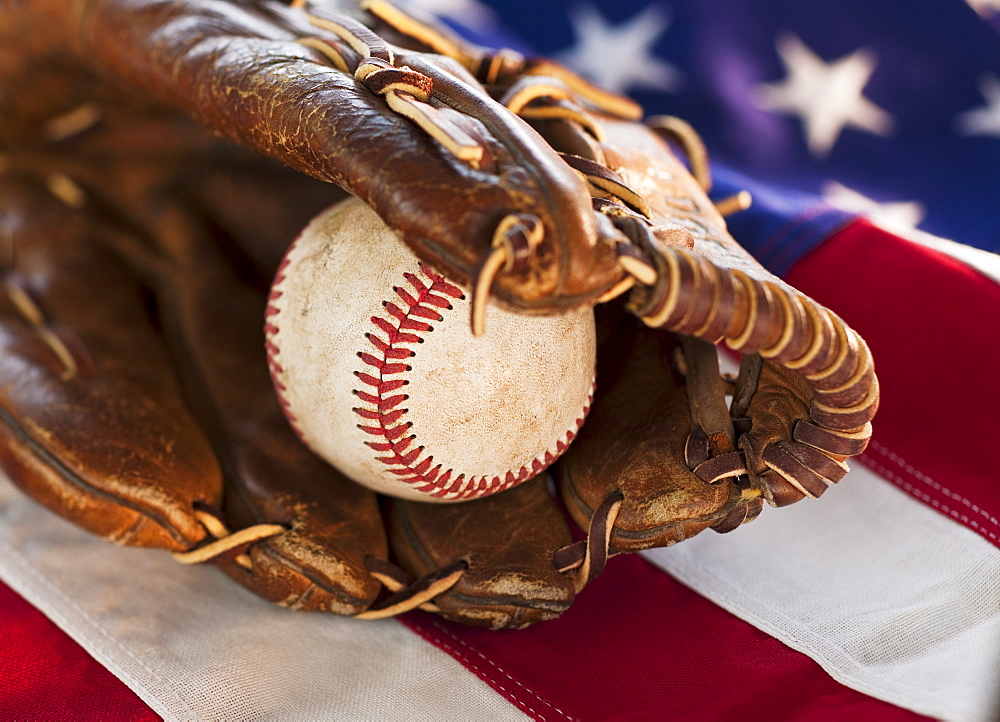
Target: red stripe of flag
[46, 675]
[933, 326]
[639, 645]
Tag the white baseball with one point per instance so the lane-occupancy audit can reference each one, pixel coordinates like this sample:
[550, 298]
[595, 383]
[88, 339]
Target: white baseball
[375, 364]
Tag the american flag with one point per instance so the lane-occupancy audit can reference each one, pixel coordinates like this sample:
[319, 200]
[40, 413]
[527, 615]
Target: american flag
[887, 110]
[869, 135]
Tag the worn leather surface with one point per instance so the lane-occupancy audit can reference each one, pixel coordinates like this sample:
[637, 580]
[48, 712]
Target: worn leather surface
[94, 436]
[507, 540]
[157, 156]
[634, 442]
[236, 68]
[213, 322]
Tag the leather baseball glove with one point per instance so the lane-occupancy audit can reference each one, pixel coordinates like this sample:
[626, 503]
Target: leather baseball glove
[159, 155]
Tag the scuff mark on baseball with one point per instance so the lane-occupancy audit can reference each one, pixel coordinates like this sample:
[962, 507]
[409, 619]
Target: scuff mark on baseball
[376, 367]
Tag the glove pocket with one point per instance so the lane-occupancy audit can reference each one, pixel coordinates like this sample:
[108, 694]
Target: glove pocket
[91, 423]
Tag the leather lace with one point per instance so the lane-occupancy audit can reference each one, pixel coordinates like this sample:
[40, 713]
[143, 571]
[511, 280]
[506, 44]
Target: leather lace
[785, 328]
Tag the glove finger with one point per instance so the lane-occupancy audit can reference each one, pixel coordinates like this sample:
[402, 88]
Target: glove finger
[801, 413]
[330, 526]
[93, 423]
[634, 443]
[506, 542]
[794, 448]
[718, 293]
[795, 419]
[326, 96]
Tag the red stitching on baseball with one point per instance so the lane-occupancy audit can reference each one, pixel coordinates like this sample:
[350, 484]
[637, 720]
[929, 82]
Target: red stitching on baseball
[422, 301]
[271, 348]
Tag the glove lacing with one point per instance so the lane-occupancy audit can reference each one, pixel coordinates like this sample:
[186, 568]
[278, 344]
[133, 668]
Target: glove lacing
[658, 270]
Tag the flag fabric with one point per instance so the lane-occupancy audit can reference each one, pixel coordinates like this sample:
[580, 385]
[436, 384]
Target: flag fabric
[881, 601]
[883, 109]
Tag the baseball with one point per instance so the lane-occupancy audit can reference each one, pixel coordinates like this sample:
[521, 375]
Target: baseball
[374, 362]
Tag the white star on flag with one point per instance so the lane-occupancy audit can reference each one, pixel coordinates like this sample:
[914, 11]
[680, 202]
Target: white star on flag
[621, 57]
[892, 216]
[984, 120]
[826, 96]
[986, 8]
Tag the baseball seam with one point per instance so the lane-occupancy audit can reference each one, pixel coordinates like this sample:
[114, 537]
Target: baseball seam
[271, 348]
[420, 302]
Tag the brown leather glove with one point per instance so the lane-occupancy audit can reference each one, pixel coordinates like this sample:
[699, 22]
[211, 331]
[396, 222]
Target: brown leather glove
[661, 434]
[663, 455]
[146, 416]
